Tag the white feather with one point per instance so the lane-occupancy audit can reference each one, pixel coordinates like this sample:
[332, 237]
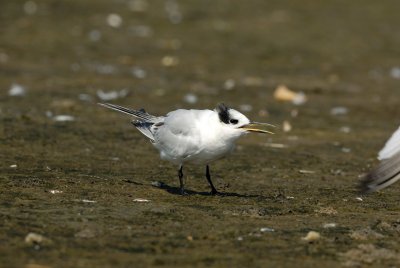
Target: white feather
[391, 147]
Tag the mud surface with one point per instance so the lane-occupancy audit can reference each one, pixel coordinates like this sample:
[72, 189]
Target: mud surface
[76, 184]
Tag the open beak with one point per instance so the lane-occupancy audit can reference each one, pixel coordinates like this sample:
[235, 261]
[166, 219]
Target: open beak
[258, 127]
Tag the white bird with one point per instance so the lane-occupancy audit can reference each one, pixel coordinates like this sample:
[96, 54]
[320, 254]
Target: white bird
[193, 136]
[388, 170]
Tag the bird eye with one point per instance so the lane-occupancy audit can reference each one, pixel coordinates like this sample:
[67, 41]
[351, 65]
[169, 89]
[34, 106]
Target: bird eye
[234, 121]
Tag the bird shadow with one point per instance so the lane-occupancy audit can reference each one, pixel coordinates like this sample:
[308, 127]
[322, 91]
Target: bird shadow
[177, 191]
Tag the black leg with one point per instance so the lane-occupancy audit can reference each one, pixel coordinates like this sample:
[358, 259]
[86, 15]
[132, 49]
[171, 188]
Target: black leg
[208, 176]
[180, 175]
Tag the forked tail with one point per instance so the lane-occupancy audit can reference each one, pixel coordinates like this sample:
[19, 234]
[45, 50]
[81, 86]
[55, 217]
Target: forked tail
[139, 114]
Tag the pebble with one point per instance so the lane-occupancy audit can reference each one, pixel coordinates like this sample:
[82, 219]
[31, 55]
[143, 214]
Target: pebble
[329, 225]
[190, 98]
[63, 118]
[266, 230]
[276, 145]
[16, 90]
[229, 84]
[395, 72]
[283, 93]
[173, 11]
[88, 201]
[55, 192]
[157, 184]
[138, 72]
[346, 150]
[311, 236]
[169, 61]
[286, 126]
[304, 171]
[114, 20]
[36, 239]
[140, 200]
[112, 95]
[345, 129]
[339, 110]
[30, 7]
[85, 97]
[13, 166]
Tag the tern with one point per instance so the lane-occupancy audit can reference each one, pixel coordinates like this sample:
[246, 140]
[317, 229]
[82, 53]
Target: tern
[193, 136]
[387, 171]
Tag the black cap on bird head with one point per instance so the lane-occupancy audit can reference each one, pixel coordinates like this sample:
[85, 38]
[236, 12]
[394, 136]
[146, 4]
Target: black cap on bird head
[223, 113]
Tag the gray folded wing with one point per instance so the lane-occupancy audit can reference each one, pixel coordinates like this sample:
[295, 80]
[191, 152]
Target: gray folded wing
[385, 174]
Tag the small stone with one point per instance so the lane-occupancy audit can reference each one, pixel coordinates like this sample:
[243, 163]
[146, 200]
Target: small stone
[17, 90]
[346, 150]
[169, 61]
[13, 166]
[30, 7]
[88, 201]
[345, 129]
[283, 93]
[304, 171]
[229, 84]
[339, 111]
[114, 20]
[329, 225]
[266, 230]
[85, 97]
[189, 238]
[112, 95]
[395, 72]
[141, 200]
[37, 239]
[138, 72]
[311, 236]
[190, 98]
[276, 145]
[63, 118]
[157, 184]
[55, 192]
[286, 126]
[359, 199]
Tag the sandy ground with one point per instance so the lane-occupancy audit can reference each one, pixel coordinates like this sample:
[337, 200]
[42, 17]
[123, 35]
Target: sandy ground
[75, 184]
